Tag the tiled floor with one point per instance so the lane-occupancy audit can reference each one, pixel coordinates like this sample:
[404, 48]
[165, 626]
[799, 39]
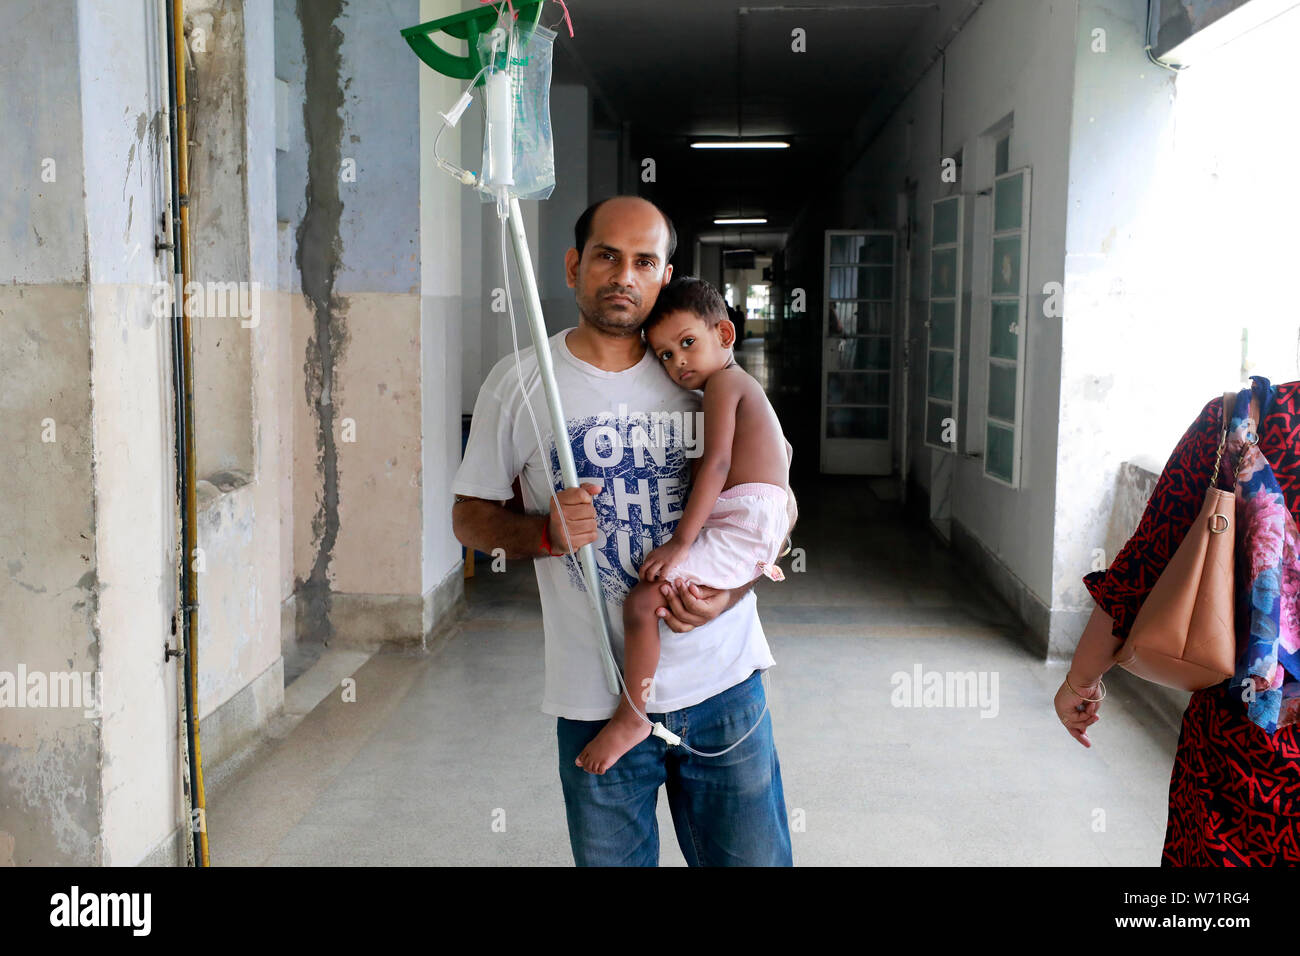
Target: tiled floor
[445, 758]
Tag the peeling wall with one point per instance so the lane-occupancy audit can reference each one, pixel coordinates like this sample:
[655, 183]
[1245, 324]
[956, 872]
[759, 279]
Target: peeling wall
[376, 438]
[319, 247]
[217, 94]
[49, 759]
[44, 225]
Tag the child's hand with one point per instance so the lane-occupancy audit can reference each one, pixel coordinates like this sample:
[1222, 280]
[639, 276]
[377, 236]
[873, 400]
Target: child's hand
[662, 560]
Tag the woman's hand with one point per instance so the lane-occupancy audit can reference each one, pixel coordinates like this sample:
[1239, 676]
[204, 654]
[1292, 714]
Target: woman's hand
[662, 560]
[1073, 711]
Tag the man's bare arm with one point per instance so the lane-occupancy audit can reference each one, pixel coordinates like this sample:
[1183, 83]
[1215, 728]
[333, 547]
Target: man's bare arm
[485, 525]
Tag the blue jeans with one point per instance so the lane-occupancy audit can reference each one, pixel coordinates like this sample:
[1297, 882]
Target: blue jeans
[727, 811]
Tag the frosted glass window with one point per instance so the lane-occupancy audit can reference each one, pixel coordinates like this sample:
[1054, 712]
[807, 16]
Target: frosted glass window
[1006, 266]
[859, 318]
[943, 273]
[943, 325]
[872, 423]
[1008, 202]
[1008, 247]
[1002, 393]
[941, 376]
[1004, 341]
[946, 222]
[943, 348]
[864, 249]
[857, 388]
[862, 282]
[999, 457]
[935, 413]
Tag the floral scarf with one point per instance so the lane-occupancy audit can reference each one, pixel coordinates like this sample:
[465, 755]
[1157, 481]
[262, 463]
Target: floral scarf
[1267, 574]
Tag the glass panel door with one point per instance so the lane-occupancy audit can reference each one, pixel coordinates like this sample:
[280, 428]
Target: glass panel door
[858, 352]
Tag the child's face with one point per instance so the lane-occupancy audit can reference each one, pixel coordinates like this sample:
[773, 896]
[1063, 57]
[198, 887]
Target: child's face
[689, 350]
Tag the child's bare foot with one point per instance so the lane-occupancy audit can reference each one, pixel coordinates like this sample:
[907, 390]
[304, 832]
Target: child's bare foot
[623, 732]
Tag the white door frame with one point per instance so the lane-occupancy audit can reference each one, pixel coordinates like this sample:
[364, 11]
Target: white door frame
[858, 456]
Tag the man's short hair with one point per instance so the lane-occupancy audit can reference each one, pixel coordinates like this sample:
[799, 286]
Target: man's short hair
[582, 229]
[687, 294]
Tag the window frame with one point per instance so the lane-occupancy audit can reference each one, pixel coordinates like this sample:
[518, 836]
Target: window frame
[959, 250]
[1020, 329]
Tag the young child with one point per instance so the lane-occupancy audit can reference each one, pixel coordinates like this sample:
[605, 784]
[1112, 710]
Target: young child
[740, 509]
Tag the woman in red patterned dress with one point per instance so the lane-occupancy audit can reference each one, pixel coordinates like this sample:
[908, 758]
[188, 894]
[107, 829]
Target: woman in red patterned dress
[1234, 797]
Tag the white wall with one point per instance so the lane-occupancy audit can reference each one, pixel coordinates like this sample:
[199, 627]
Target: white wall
[570, 127]
[441, 319]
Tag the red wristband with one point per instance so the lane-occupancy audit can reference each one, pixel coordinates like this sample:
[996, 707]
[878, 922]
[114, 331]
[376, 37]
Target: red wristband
[546, 538]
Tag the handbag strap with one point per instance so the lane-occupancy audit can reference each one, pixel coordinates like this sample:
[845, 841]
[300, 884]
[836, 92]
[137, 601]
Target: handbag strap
[1229, 398]
[1223, 436]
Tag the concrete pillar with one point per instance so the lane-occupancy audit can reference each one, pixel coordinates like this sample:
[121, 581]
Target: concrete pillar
[86, 517]
[442, 296]
[377, 252]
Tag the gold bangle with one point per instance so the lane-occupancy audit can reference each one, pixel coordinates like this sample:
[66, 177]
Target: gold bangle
[1092, 700]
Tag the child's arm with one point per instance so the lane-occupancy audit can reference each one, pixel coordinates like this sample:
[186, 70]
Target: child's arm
[721, 400]
[722, 396]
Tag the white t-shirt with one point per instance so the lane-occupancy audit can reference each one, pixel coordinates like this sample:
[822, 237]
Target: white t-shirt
[632, 432]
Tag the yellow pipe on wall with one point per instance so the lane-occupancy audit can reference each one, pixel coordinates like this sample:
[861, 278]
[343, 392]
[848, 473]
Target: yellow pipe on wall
[191, 496]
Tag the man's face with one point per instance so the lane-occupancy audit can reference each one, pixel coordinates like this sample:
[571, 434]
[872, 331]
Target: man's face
[622, 268]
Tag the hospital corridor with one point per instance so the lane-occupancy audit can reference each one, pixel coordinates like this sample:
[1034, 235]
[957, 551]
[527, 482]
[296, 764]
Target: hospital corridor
[444, 760]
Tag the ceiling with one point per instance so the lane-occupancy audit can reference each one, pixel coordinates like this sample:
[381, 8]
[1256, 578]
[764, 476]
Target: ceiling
[677, 70]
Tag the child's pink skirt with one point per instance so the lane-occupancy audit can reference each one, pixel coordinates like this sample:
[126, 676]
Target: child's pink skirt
[741, 538]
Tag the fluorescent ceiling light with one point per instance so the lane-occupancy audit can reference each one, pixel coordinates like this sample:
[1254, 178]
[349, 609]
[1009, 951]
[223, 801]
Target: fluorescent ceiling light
[741, 144]
[738, 222]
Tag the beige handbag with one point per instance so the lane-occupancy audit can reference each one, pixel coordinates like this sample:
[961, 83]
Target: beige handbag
[1183, 635]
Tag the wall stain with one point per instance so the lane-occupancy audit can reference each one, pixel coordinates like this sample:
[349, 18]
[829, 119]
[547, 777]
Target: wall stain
[319, 253]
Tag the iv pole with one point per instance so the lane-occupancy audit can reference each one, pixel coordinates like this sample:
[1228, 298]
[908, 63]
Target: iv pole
[568, 470]
[468, 27]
